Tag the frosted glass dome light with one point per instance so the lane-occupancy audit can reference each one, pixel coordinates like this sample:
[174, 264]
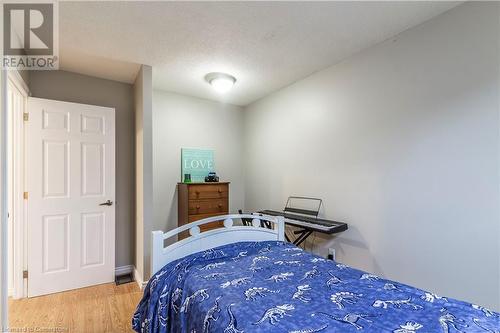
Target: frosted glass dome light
[221, 82]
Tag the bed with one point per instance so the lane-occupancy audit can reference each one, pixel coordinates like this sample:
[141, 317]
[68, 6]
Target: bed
[248, 279]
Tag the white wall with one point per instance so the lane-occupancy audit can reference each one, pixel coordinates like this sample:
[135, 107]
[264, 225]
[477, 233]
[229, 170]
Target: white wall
[402, 142]
[187, 122]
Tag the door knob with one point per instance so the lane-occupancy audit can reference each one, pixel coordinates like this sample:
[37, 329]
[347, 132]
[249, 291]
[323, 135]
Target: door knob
[107, 203]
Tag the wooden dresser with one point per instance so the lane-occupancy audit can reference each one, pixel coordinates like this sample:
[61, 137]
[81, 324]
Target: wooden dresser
[200, 200]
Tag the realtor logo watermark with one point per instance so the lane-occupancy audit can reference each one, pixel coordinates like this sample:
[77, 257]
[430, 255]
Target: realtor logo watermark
[30, 36]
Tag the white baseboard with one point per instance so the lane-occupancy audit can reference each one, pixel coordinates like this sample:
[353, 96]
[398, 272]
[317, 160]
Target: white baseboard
[138, 279]
[122, 270]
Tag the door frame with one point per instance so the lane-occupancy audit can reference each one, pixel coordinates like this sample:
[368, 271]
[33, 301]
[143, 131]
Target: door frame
[4, 314]
[19, 235]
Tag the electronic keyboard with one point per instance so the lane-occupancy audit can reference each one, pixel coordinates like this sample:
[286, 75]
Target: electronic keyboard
[308, 222]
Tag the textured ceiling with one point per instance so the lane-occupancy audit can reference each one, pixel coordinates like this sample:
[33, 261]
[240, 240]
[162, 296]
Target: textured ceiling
[265, 45]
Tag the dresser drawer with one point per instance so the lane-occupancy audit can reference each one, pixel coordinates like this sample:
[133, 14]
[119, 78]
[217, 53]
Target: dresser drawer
[207, 206]
[193, 218]
[214, 191]
[208, 226]
[205, 227]
[198, 201]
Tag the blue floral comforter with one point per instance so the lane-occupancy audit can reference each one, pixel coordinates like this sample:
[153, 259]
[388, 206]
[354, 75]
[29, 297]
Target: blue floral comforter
[277, 287]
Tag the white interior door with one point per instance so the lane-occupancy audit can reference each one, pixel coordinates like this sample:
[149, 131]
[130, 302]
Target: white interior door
[70, 175]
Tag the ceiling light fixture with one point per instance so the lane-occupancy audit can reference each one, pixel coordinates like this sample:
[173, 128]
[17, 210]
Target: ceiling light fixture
[221, 82]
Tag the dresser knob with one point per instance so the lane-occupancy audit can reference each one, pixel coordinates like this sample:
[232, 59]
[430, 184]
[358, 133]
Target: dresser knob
[197, 207]
[220, 191]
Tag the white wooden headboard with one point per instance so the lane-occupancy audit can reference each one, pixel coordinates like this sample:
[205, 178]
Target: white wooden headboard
[201, 241]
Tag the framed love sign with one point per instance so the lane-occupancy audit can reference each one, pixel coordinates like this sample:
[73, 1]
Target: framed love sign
[197, 162]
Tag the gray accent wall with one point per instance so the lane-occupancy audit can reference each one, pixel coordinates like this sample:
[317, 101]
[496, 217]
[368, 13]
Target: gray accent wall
[72, 87]
[402, 142]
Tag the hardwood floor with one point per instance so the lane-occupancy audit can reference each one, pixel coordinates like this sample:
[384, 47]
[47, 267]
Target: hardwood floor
[103, 308]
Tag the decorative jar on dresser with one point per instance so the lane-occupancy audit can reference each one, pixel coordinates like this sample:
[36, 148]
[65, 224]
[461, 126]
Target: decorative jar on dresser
[201, 200]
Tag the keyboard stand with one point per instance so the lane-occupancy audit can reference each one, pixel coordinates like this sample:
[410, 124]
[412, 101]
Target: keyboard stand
[305, 220]
[305, 229]
[304, 234]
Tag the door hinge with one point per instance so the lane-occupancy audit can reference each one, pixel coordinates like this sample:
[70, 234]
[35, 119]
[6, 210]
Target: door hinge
[25, 195]
[25, 274]
[26, 116]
